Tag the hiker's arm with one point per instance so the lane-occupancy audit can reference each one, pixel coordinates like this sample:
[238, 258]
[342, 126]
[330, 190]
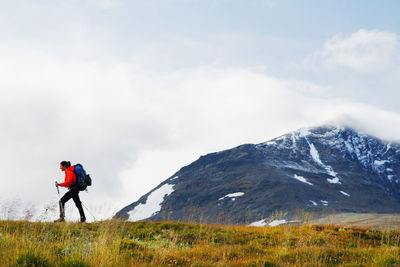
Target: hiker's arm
[68, 180]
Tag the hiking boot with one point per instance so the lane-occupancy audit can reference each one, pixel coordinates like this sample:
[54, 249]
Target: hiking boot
[83, 219]
[60, 220]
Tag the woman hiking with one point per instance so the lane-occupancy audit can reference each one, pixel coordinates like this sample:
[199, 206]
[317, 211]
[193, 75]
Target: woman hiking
[73, 191]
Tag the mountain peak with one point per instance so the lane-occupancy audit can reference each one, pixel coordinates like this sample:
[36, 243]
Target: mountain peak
[329, 130]
[312, 169]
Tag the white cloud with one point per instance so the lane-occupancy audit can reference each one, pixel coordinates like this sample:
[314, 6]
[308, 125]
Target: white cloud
[132, 130]
[364, 50]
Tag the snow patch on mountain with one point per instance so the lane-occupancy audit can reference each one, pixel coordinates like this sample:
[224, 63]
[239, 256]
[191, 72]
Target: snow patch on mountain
[388, 146]
[379, 165]
[344, 193]
[152, 204]
[263, 222]
[277, 222]
[315, 155]
[314, 203]
[274, 223]
[324, 202]
[270, 143]
[304, 132]
[349, 147]
[369, 151]
[232, 195]
[334, 180]
[259, 223]
[302, 179]
[294, 139]
[380, 162]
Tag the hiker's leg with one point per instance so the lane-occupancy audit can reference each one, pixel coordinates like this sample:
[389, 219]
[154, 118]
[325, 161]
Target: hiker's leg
[78, 204]
[62, 202]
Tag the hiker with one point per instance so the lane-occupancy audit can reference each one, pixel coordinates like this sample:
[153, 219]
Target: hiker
[73, 191]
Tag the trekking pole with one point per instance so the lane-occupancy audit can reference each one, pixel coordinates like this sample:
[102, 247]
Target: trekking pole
[89, 211]
[59, 197]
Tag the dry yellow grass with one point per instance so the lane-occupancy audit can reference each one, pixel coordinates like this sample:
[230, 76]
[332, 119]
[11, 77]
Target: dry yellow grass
[118, 243]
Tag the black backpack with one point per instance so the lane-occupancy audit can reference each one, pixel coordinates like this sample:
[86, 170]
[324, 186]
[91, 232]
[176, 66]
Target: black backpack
[83, 180]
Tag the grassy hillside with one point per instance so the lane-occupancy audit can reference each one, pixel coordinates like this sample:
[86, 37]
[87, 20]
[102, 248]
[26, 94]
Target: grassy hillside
[118, 243]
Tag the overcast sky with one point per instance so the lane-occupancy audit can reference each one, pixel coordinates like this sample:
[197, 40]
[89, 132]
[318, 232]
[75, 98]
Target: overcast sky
[135, 90]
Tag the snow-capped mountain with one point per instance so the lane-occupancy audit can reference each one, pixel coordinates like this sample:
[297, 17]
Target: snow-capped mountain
[317, 169]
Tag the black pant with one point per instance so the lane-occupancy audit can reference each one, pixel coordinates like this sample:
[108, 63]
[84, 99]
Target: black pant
[74, 194]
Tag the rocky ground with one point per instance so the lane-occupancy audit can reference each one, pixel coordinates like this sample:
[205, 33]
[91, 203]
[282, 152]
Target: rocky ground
[371, 220]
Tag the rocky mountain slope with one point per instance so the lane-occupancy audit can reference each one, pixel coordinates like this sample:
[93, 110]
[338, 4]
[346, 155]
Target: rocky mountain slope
[322, 169]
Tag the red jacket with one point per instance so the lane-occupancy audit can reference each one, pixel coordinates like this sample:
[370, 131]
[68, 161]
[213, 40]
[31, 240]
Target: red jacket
[70, 177]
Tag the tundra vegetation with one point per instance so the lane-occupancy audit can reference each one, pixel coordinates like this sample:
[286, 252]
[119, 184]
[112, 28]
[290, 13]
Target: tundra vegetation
[121, 243]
